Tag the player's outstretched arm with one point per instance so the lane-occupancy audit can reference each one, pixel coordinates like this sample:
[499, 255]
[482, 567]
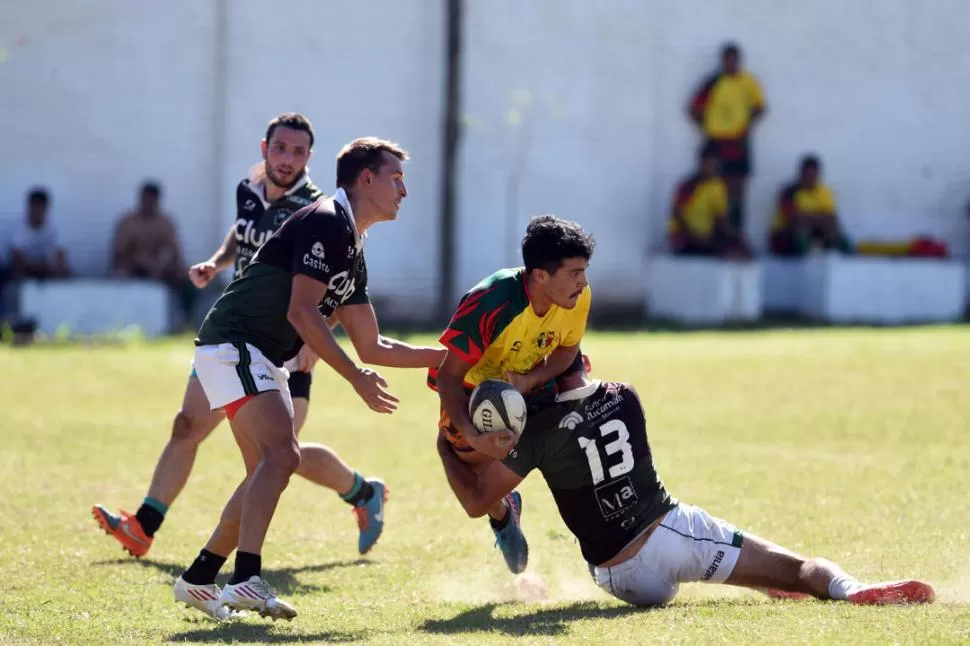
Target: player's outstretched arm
[546, 370]
[314, 329]
[477, 491]
[360, 322]
[203, 272]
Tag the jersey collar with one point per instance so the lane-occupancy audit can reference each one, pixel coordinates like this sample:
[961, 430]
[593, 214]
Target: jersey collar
[340, 197]
[577, 394]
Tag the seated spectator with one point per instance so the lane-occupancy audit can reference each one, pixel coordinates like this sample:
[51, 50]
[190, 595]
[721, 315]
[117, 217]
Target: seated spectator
[34, 248]
[146, 246]
[698, 223]
[806, 216]
[34, 253]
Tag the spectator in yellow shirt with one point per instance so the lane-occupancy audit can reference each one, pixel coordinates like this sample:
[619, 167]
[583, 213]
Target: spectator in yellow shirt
[698, 223]
[725, 107]
[806, 216]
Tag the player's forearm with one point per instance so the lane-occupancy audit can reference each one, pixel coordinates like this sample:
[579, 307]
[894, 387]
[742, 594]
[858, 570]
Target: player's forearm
[455, 403]
[553, 365]
[462, 480]
[224, 257]
[314, 329]
[397, 354]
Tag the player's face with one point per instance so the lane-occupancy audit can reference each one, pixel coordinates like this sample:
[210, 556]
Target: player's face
[286, 154]
[565, 286]
[385, 189]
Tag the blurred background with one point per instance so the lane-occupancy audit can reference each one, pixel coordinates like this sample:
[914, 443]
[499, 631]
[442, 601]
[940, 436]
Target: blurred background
[594, 111]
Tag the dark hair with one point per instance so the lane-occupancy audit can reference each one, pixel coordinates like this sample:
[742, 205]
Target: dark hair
[293, 121]
[365, 152]
[550, 240]
[38, 196]
[810, 161]
[151, 188]
[730, 48]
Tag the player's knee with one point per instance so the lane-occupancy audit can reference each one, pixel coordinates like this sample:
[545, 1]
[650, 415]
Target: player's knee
[187, 429]
[285, 457]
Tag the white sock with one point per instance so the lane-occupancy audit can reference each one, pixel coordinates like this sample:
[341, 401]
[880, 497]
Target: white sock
[842, 586]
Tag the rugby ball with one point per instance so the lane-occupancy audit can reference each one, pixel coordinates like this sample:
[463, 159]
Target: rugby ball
[496, 405]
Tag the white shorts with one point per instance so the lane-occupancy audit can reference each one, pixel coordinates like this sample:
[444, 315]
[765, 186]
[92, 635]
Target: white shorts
[230, 371]
[688, 545]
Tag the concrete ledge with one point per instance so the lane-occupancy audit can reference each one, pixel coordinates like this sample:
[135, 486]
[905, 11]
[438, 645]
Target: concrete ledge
[91, 306]
[703, 290]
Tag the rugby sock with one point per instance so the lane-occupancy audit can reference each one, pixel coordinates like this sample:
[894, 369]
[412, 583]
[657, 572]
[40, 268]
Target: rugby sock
[204, 568]
[842, 585]
[359, 492]
[151, 514]
[247, 565]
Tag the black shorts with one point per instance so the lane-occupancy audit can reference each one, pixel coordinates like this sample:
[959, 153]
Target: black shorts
[734, 155]
[300, 384]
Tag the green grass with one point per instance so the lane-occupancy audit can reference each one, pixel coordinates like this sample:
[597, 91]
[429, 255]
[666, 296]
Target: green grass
[853, 444]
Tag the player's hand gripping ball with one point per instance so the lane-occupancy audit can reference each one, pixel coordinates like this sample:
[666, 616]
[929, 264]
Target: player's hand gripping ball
[497, 406]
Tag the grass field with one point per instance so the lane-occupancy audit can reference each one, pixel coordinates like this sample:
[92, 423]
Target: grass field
[853, 444]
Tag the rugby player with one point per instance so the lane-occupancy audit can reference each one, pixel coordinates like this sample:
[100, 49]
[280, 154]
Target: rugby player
[524, 326]
[276, 187]
[591, 447]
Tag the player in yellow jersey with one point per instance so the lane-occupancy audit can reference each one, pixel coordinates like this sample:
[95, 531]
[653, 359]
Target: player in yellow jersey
[524, 326]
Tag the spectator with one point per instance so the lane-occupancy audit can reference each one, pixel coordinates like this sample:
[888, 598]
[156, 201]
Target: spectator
[146, 246]
[726, 107]
[698, 223]
[34, 254]
[34, 249]
[806, 216]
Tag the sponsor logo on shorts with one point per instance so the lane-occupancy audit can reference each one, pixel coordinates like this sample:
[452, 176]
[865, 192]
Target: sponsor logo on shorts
[716, 563]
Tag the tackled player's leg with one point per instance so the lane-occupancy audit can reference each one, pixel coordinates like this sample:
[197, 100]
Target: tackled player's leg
[504, 517]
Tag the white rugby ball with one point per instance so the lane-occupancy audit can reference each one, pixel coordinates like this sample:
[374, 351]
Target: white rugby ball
[496, 405]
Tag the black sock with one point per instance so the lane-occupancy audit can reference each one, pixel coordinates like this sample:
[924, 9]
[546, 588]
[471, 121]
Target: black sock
[365, 493]
[150, 519]
[360, 492]
[204, 568]
[501, 524]
[247, 565]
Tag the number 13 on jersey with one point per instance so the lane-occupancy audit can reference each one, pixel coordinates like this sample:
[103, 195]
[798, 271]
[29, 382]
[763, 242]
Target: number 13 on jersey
[620, 444]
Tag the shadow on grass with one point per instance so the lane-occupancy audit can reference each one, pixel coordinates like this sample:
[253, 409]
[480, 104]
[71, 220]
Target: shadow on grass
[283, 579]
[546, 621]
[243, 632]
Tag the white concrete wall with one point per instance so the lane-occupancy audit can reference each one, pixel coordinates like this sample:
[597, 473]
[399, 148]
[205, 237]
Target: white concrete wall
[353, 72]
[96, 97]
[569, 107]
[878, 89]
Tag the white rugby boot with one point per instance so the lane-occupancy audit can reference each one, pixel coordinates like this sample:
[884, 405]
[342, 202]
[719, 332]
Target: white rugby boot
[256, 594]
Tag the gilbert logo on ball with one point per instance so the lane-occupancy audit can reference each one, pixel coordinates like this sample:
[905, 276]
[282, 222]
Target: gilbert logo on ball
[496, 405]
